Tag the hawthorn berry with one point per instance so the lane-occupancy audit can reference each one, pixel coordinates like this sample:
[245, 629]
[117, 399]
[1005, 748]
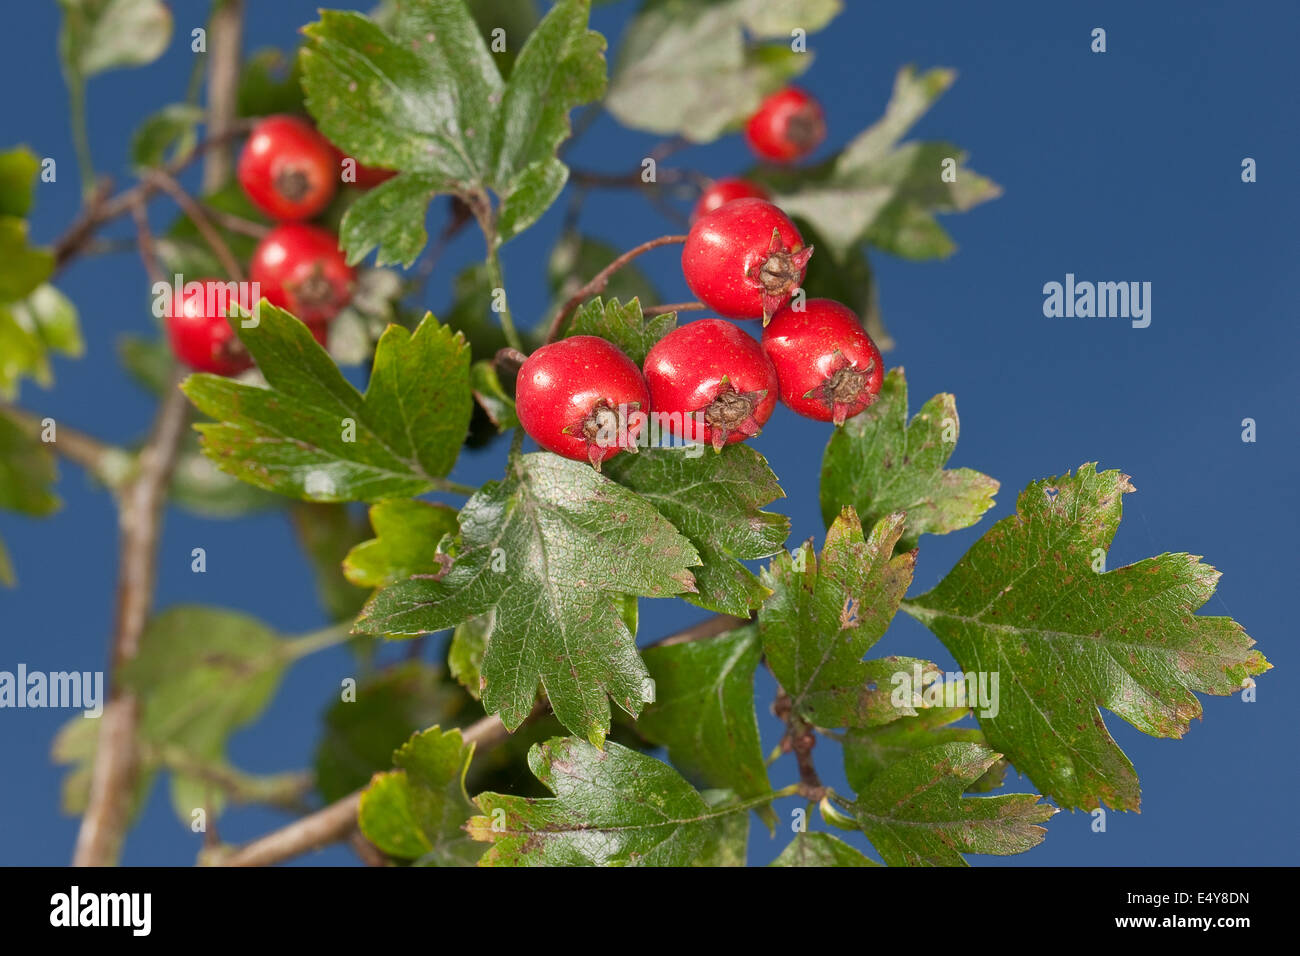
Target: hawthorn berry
[787, 126]
[198, 331]
[366, 176]
[300, 268]
[287, 168]
[827, 365]
[575, 397]
[744, 259]
[723, 191]
[711, 366]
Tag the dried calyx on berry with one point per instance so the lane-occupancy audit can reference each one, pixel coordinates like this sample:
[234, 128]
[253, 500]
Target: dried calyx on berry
[745, 259]
[827, 365]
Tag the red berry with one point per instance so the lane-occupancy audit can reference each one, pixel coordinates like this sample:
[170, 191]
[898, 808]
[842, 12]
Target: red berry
[575, 397]
[300, 268]
[828, 367]
[723, 191]
[788, 125]
[199, 333]
[713, 367]
[366, 176]
[287, 168]
[744, 259]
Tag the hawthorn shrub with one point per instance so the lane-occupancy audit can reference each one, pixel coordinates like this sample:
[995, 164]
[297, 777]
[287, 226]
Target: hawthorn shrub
[645, 487]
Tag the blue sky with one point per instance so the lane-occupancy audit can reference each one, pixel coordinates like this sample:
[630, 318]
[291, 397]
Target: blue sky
[1123, 166]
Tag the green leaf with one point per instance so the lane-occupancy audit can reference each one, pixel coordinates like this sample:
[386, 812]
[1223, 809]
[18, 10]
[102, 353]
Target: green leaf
[703, 712]
[624, 325]
[491, 395]
[417, 811]
[612, 807]
[880, 464]
[406, 539]
[170, 132]
[716, 501]
[820, 849]
[1027, 602]
[203, 673]
[390, 217]
[687, 68]
[915, 815]
[18, 168]
[101, 35]
[826, 612]
[202, 488]
[465, 654]
[27, 471]
[32, 329]
[22, 268]
[869, 750]
[878, 189]
[548, 552]
[367, 723]
[427, 98]
[269, 83]
[294, 437]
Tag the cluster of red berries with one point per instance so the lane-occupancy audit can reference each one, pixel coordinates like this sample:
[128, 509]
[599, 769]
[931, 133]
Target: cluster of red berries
[291, 173]
[710, 381]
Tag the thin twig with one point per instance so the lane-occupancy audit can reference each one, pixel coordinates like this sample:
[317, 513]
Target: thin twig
[799, 739]
[601, 279]
[229, 264]
[673, 307]
[709, 627]
[98, 212]
[112, 783]
[225, 35]
[144, 238]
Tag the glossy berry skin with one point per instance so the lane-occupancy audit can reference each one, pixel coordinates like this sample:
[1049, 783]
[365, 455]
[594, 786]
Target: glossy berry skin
[787, 126]
[713, 367]
[744, 259]
[300, 268]
[575, 396]
[827, 365]
[723, 191]
[198, 331]
[287, 168]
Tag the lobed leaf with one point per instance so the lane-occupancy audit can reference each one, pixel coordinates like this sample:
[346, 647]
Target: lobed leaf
[880, 464]
[1028, 602]
[612, 807]
[550, 552]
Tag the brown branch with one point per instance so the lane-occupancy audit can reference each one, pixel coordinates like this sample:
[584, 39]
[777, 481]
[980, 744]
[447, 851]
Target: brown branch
[144, 238]
[225, 36]
[673, 307]
[601, 279]
[98, 212]
[228, 220]
[112, 784]
[709, 627]
[229, 264]
[800, 740]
